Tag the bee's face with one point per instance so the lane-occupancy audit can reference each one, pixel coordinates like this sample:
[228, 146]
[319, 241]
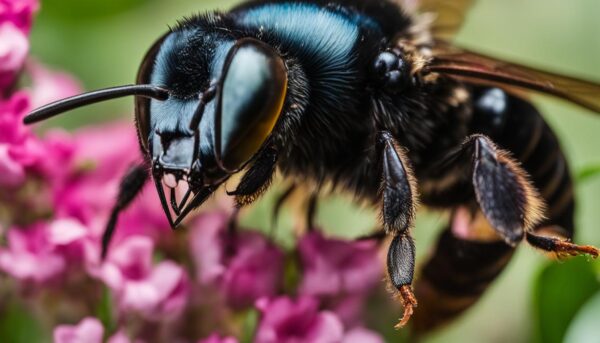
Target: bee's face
[221, 110]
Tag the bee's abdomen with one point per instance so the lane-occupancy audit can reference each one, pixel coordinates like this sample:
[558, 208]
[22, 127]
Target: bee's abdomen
[460, 270]
[517, 126]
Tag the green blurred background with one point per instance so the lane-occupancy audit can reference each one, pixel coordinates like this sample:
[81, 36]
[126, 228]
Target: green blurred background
[101, 42]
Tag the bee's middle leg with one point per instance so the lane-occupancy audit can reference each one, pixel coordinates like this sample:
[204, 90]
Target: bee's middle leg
[398, 197]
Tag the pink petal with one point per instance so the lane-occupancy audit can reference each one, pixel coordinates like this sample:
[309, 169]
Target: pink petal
[133, 256]
[165, 277]
[65, 231]
[334, 266]
[111, 275]
[140, 296]
[326, 329]
[362, 335]
[206, 247]
[33, 267]
[89, 330]
[14, 47]
[119, 337]
[13, 173]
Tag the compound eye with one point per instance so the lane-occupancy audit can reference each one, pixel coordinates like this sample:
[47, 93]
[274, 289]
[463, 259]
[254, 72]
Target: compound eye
[142, 105]
[250, 99]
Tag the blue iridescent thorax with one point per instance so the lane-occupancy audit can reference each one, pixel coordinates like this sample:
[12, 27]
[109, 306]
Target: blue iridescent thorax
[324, 35]
[324, 39]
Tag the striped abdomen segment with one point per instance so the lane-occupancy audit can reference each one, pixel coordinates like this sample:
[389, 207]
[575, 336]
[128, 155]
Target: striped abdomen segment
[455, 278]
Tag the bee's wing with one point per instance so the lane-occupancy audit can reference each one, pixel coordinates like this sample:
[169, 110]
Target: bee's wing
[480, 69]
[449, 14]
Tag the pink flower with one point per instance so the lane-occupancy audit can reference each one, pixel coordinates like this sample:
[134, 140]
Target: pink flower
[348, 307]
[89, 191]
[95, 169]
[12, 111]
[73, 241]
[30, 256]
[21, 153]
[245, 267]
[155, 292]
[285, 320]
[334, 267]
[58, 148]
[15, 22]
[121, 337]
[18, 12]
[44, 251]
[89, 330]
[292, 321]
[362, 335]
[216, 338]
[13, 173]
[14, 47]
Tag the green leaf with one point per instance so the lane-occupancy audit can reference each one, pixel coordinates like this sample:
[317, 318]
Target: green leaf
[587, 172]
[561, 289]
[584, 327]
[104, 310]
[250, 324]
[17, 324]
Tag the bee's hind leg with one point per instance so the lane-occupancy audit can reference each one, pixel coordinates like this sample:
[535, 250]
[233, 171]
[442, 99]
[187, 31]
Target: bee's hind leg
[399, 198]
[503, 190]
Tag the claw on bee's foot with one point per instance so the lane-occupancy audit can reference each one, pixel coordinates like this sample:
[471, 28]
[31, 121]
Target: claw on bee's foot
[562, 247]
[566, 249]
[409, 302]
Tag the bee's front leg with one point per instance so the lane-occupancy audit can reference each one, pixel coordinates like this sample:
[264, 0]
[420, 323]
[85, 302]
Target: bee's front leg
[257, 178]
[399, 198]
[253, 184]
[131, 185]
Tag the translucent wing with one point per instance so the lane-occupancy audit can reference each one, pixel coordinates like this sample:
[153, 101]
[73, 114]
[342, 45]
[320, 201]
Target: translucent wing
[480, 69]
[449, 15]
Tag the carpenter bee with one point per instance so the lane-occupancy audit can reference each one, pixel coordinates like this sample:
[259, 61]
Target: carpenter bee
[373, 99]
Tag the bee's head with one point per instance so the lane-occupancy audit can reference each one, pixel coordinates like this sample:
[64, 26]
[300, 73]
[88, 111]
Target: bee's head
[206, 103]
[225, 97]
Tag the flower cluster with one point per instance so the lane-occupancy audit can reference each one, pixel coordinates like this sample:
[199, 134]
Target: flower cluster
[201, 284]
[15, 23]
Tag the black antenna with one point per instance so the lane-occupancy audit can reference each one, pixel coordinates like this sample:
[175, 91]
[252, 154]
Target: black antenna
[64, 105]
